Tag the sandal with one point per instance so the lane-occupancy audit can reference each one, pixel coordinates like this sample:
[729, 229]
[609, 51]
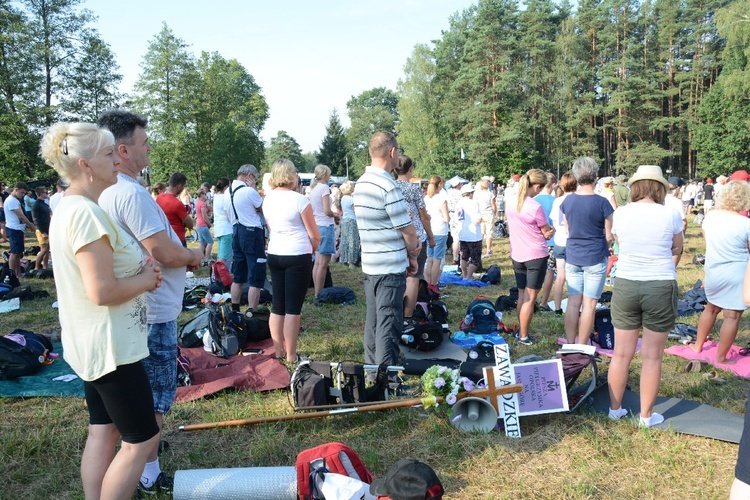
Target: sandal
[692, 366]
[714, 377]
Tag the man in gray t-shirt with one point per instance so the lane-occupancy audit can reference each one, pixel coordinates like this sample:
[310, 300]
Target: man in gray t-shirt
[133, 208]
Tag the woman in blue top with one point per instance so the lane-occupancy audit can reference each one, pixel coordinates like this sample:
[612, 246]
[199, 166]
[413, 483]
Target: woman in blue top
[588, 218]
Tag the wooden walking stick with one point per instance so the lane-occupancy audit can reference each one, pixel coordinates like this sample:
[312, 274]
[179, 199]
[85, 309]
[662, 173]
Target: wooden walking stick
[403, 403]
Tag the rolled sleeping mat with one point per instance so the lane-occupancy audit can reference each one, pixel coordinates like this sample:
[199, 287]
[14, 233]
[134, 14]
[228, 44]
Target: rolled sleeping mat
[469, 369]
[259, 483]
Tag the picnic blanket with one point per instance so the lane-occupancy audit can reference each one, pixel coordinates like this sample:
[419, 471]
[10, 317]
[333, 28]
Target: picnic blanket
[210, 374]
[740, 367]
[42, 383]
[446, 350]
[600, 350]
[680, 415]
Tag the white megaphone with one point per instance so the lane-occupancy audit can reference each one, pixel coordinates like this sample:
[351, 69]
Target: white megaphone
[473, 414]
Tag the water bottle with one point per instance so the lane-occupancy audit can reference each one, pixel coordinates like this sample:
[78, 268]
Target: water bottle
[469, 319]
[499, 316]
[407, 339]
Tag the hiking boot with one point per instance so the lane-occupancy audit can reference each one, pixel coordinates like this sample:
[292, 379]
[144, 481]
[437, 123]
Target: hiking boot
[163, 484]
[409, 325]
[528, 340]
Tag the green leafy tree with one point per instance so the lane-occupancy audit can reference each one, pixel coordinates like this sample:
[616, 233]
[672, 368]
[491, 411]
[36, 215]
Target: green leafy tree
[373, 110]
[418, 111]
[334, 151]
[723, 135]
[56, 30]
[92, 82]
[285, 146]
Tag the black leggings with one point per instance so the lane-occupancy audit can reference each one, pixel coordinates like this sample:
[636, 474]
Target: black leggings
[123, 397]
[290, 277]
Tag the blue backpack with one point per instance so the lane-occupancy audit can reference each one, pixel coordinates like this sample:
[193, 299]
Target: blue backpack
[481, 317]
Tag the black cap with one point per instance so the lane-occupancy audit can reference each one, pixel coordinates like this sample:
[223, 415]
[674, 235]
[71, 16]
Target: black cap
[409, 479]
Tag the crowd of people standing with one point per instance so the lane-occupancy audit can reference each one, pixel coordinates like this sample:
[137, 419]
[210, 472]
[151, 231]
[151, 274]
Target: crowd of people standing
[126, 246]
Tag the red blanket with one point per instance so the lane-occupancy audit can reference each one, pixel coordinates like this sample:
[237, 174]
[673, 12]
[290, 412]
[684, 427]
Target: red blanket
[259, 372]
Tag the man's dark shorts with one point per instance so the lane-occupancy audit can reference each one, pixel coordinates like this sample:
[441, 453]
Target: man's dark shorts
[248, 246]
[15, 237]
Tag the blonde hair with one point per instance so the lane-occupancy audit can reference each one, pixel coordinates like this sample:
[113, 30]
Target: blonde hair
[434, 185]
[65, 143]
[283, 174]
[530, 178]
[483, 185]
[347, 188]
[734, 197]
[321, 171]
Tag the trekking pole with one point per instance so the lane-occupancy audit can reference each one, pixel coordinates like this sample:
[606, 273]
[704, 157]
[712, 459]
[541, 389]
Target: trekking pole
[404, 403]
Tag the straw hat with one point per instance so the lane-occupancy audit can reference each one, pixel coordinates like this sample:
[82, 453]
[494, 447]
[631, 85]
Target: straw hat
[648, 172]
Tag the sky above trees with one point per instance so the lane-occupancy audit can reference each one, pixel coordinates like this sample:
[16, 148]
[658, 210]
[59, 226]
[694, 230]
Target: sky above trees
[307, 57]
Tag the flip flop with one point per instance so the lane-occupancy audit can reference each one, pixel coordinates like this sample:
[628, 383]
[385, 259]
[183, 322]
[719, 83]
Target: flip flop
[714, 377]
[692, 366]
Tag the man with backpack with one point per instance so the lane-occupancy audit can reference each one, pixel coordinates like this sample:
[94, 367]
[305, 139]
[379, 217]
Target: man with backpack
[390, 247]
[133, 208]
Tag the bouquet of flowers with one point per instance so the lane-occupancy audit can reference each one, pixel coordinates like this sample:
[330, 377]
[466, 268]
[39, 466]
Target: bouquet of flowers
[440, 381]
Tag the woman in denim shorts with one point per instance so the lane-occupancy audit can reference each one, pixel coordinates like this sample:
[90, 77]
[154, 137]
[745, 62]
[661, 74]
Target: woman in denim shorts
[588, 217]
[645, 289]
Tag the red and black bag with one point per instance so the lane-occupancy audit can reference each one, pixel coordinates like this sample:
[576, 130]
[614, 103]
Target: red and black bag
[220, 275]
[334, 457]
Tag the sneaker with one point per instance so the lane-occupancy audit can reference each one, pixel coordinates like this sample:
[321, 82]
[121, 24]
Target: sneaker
[163, 484]
[409, 325]
[528, 340]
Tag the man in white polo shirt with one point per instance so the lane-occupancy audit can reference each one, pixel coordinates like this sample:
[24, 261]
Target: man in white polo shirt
[390, 247]
[16, 223]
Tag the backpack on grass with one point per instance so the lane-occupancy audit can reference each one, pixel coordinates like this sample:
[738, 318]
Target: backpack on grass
[481, 317]
[604, 331]
[334, 457]
[220, 275]
[425, 337]
[191, 333]
[18, 360]
[227, 331]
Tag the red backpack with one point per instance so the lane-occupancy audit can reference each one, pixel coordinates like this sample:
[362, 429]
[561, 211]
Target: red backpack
[335, 457]
[220, 275]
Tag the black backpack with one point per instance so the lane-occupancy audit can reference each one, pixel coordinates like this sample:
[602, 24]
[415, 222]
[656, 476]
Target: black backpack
[191, 333]
[492, 276]
[604, 332]
[17, 360]
[8, 276]
[227, 329]
[337, 295]
[311, 384]
[425, 337]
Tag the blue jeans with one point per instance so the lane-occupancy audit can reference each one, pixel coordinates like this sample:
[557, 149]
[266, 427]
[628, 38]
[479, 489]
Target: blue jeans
[586, 280]
[327, 244]
[384, 321]
[161, 363]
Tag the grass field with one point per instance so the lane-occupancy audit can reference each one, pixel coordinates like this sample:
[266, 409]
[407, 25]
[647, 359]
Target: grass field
[581, 455]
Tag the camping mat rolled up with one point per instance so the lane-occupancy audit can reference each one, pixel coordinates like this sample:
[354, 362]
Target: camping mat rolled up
[260, 483]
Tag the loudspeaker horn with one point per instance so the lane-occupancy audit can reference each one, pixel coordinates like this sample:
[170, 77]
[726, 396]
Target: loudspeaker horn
[473, 414]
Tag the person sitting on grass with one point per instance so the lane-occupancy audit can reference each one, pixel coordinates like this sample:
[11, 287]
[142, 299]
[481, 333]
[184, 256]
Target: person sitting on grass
[727, 235]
